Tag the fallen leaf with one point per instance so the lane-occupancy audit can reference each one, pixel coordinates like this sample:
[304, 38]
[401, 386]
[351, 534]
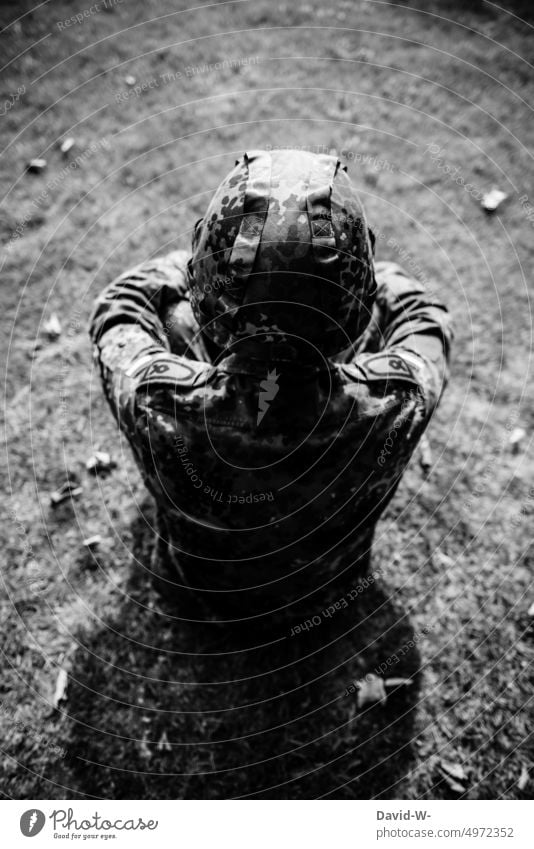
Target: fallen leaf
[163, 743]
[92, 542]
[371, 690]
[35, 166]
[523, 778]
[397, 682]
[425, 455]
[493, 199]
[453, 785]
[453, 773]
[143, 748]
[60, 693]
[70, 489]
[100, 463]
[516, 438]
[52, 327]
[66, 145]
[531, 610]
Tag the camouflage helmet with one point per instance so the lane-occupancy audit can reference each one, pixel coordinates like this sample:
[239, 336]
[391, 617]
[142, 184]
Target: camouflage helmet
[283, 256]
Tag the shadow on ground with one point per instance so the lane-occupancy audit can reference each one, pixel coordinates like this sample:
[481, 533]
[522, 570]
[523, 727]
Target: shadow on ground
[160, 707]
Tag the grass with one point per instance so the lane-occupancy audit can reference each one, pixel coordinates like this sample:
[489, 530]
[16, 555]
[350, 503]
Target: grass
[162, 707]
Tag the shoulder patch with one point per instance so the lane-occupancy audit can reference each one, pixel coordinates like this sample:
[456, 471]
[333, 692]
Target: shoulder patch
[168, 370]
[390, 366]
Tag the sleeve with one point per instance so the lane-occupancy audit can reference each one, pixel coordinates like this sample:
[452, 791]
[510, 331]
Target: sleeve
[128, 330]
[408, 340]
[405, 310]
[141, 296]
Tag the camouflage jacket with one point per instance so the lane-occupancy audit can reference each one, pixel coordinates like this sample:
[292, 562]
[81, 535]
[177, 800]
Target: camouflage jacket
[269, 477]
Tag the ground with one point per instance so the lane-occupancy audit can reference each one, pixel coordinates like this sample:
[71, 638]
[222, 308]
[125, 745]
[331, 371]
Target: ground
[429, 110]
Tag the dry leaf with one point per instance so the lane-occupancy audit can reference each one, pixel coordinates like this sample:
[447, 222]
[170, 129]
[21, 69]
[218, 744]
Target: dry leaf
[70, 489]
[52, 327]
[60, 693]
[425, 455]
[493, 199]
[454, 770]
[35, 166]
[398, 682]
[100, 463]
[92, 542]
[453, 785]
[516, 438]
[66, 145]
[371, 690]
[454, 775]
[143, 748]
[523, 778]
[163, 743]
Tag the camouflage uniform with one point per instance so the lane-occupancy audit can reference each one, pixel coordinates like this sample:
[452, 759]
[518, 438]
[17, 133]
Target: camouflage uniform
[273, 384]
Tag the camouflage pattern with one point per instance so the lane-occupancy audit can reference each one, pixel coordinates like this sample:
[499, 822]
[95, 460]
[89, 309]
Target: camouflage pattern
[284, 255]
[269, 471]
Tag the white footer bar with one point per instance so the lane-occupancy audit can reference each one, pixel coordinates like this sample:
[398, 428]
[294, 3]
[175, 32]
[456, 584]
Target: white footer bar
[268, 824]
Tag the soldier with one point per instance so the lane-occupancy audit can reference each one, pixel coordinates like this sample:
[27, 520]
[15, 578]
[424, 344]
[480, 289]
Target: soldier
[271, 386]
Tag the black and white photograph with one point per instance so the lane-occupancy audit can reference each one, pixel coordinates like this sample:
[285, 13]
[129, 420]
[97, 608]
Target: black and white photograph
[267, 478]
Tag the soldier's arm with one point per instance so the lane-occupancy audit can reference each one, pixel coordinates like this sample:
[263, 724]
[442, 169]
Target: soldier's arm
[405, 309]
[127, 325]
[141, 296]
[412, 327]
[408, 342]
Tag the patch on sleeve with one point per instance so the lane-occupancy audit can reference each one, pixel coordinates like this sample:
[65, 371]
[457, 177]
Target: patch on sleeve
[392, 366]
[168, 370]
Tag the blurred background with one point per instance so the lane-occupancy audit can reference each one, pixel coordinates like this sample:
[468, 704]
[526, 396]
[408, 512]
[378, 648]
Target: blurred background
[117, 122]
